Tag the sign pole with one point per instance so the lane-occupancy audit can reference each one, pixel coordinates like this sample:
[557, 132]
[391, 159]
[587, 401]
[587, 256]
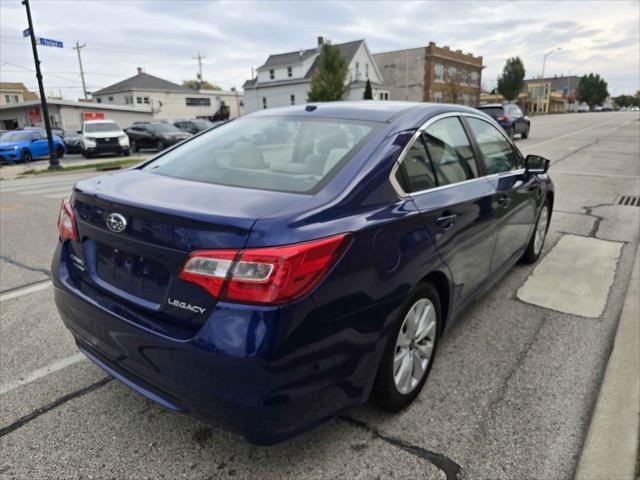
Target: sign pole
[54, 163]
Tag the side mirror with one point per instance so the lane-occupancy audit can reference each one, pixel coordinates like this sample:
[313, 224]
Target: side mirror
[536, 164]
[79, 132]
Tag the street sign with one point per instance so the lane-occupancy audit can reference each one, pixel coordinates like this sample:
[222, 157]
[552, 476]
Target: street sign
[26, 32]
[47, 42]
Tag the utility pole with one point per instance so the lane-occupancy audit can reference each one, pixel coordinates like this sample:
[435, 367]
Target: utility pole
[54, 163]
[544, 61]
[199, 57]
[77, 48]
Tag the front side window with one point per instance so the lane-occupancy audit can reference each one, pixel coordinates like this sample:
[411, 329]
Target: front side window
[450, 151]
[295, 155]
[495, 149]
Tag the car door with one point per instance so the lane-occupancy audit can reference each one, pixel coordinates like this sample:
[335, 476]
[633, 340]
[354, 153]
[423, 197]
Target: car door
[455, 201]
[39, 146]
[516, 191]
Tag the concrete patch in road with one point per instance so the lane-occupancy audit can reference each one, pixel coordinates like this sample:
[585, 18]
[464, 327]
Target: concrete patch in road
[574, 277]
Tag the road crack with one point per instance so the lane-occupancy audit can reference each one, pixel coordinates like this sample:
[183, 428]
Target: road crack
[26, 267]
[448, 466]
[588, 211]
[22, 421]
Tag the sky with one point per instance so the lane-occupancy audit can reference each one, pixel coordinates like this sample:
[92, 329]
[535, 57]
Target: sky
[163, 36]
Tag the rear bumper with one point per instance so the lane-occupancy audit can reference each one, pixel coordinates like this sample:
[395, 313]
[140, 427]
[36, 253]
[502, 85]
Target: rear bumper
[232, 372]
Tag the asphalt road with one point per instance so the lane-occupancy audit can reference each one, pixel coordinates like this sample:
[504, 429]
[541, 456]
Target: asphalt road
[510, 395]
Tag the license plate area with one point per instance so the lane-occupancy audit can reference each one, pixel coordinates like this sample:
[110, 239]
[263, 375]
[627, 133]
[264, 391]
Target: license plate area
[131, 273]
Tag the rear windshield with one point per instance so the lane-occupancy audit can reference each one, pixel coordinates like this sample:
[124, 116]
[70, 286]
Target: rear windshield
[203, 124]
[270, 153]
[164, 128]
[101, 127]
[493, 111]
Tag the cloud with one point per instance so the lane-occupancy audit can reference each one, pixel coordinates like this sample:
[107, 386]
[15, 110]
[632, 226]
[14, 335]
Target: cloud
[163, 36]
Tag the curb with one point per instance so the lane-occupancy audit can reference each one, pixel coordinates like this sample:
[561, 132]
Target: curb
[611, 447]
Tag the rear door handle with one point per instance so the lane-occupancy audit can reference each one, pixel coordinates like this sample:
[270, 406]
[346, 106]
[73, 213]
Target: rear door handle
[446, 222]
[504, 200]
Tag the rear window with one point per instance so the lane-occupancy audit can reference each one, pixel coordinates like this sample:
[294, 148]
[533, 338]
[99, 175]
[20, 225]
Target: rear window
[493, 111]
[163, 128]
[101, 127]
[269, 153]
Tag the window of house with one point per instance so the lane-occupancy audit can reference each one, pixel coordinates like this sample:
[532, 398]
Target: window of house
[272, 74]
[439, 71]
[381, 96]
[110, 99]
[450, 151]
[289, 72]
[386, 96]
[139, 100]
[463, 75]
[7, 99]
[293, 99]
[437, 96]
[453, 72]
[146, 100]
[494, 147]
[128, 100]
[366, 70]
[195, 102]
[99, 100]
[242, 103]
[264, 102]
[465, 99]
[474, 78]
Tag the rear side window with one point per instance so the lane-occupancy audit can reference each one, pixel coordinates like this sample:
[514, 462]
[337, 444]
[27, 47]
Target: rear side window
[493, 112]
[450, 151]
[495, 149]
[286, 154]
[416, 173]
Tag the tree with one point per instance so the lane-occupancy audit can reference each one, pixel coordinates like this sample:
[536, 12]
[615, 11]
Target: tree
[592, 90]
[511, 81]
[368, 93]
[453, 92]
[200, 85]
[328, 81]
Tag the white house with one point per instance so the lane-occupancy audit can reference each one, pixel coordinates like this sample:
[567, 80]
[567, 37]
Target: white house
[285, 78]
[168, 100]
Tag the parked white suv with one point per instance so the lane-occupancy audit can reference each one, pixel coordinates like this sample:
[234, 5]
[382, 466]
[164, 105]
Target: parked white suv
[103, 136]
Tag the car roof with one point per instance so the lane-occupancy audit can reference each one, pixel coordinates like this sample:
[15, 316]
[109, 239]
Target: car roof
[99, 121]
[365, 110]
[491, 105]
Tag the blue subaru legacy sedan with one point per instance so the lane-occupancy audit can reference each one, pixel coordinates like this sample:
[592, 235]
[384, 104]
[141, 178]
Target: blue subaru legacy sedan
[270, 273]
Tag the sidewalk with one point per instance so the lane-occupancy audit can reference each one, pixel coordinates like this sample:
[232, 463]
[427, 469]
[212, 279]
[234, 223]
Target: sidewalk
[11, 172]
[611, 447]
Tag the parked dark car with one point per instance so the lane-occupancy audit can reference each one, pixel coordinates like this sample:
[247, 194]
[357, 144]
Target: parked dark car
[157, 135]
[72, 141]
[196, 125]
[269, 287]
[510, 117]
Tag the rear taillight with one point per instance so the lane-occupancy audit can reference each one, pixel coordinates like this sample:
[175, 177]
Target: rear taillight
[67, 222]
[503, 118]
[270, 276]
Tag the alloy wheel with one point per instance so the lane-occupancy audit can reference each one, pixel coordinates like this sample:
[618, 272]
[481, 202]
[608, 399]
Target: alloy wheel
[414, 346]
[541, 230]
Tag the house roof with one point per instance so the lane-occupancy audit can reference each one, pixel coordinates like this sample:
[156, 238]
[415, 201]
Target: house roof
[18, 86]
[348, 50]
[144, 81]
[71, 103]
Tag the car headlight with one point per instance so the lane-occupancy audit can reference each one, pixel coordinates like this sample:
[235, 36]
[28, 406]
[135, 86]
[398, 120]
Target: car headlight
[90, 139]
[123, 140]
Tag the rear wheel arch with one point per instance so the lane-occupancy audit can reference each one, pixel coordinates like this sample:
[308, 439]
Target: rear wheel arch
[442, 285]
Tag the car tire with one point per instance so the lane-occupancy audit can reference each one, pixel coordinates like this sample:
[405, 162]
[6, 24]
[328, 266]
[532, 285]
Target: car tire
[60, 152]
[538, 236]
[387, 391]
[525, 134]
[134, 146]
[126, 152]
[511, 132]
[25, 156]
[160, 146]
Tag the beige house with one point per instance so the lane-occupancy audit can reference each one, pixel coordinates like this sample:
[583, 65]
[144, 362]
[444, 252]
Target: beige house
[14, 92]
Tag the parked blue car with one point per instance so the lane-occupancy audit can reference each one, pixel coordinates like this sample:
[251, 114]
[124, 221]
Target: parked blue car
[268, 285]
[25, 145]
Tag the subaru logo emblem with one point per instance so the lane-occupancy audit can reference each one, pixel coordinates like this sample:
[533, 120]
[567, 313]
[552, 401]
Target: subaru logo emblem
[116, 222]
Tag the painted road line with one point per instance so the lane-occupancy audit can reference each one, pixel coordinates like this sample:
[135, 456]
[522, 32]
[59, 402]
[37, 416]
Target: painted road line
[64, 194]
[41, 372]
[574, 277]
[22, 291]
[36, 188]
[595, 174]
[39, 191]
[560, 137]
[11, 184]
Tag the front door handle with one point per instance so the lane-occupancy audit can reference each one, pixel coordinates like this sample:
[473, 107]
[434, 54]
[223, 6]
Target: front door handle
[446, 222]
[504, 200]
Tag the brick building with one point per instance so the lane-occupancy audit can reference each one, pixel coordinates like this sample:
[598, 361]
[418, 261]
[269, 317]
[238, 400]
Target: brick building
[432, 74]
